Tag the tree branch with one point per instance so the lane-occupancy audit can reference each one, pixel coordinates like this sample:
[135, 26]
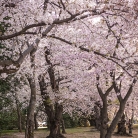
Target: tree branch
[5, 37]
[10, 66]
[109, 89]
[130, 90]
[117, 90]
[56, 21]
[95, 52]
[99, 89]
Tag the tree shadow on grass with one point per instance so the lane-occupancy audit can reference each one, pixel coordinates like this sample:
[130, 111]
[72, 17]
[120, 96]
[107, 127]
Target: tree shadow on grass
[126, 135]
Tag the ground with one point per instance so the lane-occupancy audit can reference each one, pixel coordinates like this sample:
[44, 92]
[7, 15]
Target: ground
[85, 132]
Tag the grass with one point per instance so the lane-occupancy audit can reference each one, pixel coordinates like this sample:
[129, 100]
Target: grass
[77, 130]
[135, 126]
[7, 132]
[68, 130]
[46, 131]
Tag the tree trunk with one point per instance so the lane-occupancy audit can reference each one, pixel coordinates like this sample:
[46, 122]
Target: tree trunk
[53, 111]
[92, 120]
[130, 126]
[19, 118]
[63, 126]
[121, 126]
[130, 123]
[55, 130]
[18, 113]
[115, 120]
[104, 118]
[29, 133]
[97, 115]
[55, 121]
[120, 112]
[35, 121]
[30, 115]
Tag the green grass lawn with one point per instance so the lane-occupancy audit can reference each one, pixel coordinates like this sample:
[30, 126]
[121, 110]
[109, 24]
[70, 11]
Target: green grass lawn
[68, 130]
[7, 132]
[45, 130]
[85, 132]
[77, 130]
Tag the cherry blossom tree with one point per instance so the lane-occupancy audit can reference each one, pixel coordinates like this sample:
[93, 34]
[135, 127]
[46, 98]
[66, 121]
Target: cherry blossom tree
[53, 110]
[87, 38]
[43, 15]
[17, 13]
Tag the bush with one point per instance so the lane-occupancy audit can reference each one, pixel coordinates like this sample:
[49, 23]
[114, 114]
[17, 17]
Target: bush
[8, 120]
[70, 122]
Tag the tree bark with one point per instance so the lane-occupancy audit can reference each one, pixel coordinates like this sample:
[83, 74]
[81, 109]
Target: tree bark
[104, 114]
[121, 126]
[18, 113]
[130, 123]
[35, 121]
[115, 120]
[63, 126]
[30, 115]
[53, 111]
[97, 115]
[55, 122]
[130, 126]
[19, 118]
[122, 102]
[104, 118]
[16, 64]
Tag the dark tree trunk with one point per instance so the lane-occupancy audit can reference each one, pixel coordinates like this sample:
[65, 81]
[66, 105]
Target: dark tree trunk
[97, 116]
[130, 123]
[63, 126]
[122, 102]
[92, 120]
[122, 126]
[53, 111]
[104, 118]
[19, 118]
[18, 113]
[115, 120]
[35, 121]
[54, 129]
[55, 121]
[29, 133]
[103, 114]
[130, 126]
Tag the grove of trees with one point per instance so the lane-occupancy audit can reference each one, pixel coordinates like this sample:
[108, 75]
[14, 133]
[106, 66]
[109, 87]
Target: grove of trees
[68, 56]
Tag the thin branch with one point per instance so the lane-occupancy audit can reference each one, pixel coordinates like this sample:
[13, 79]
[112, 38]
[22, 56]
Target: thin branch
[33, 33]
[10, 66]
[130, 90]
[22, 31]
[109, 89]
[62, 4]
[56, 21]
[61, 39]
[98, 88]
[95, 52]
[117, 90]
[48, 29]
